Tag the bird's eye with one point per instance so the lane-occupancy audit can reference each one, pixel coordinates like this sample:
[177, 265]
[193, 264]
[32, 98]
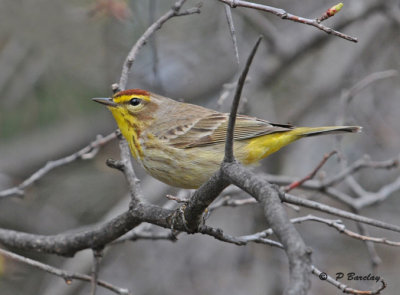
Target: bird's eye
[135, 101]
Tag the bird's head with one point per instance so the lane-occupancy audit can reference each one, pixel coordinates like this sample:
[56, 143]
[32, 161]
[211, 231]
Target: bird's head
[132, 101]
[133, 109]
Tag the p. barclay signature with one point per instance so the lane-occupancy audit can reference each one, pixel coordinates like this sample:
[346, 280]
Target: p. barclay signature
[352, 276]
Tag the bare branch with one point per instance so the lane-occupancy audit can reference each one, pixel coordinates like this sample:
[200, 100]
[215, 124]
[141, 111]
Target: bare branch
[227, 201]
[229, 19]
[229, 156]
[362, 163]
[349, 94]
[133, 182]
[298, 183]
[142, 235]
[295, 248]
[373, 254]
[285, 15]
[343, 287]
[334, 211]
[365, 198]
[69, 243]
[174, 11]
[66, 275]
[240, 241]
[88, 152]
[340, 227]
[97, 256]
[207, 193]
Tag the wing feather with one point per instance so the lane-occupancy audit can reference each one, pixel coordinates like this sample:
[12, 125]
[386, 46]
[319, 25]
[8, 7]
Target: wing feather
[212, 128]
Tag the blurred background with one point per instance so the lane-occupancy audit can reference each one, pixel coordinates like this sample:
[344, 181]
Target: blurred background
[55, 55]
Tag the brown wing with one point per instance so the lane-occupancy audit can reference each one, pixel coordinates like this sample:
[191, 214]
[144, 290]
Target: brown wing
[212, 129]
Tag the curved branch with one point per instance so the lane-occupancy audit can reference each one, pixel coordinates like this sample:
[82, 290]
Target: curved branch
[296, 250]
[174, 11]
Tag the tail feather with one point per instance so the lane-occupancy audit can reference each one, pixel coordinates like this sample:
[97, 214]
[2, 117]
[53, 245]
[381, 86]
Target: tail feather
[314, 131]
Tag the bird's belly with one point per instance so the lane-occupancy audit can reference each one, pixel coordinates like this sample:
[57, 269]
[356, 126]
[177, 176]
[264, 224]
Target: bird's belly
[185, 168]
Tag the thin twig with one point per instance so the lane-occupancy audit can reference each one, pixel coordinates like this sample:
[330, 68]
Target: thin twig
[298, 183]
[334, 211]
[364, 162]
[229, 156]
[229, 202]
[177, 199]
[261, 238]
[97, 256]
[68, 276]
[345, 289]
[240, 241]
[174, 11]
[88, 152]
[210, 190]
[340, 227]
[373, 254]
[143, 235]
[285, 15]
[133, 182]
[229, 19]
[349, 94]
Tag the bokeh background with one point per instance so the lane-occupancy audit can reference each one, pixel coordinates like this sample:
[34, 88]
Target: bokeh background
[55, 55]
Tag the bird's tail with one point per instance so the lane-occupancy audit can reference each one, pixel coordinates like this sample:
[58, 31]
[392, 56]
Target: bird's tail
[314, 131]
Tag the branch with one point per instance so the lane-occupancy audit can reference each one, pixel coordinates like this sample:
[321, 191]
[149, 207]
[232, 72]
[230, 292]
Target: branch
[125, 166]
[66, 275]
[362, 163]
[88, 152]
[207, 193]
[296, 250]
[373, 254]
[142, 235]
[348, 95]
[323, 276]
[68, 244]
[298, 183]
[341, 228]
[229, 19]
[365, 198]
[334, 211]
[174, 11]
[285, 15]
[229, 156]
[260, 238]
[97, 256]
[239, 241]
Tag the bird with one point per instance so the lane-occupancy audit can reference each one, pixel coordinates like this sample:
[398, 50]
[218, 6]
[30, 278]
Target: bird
[182, 144]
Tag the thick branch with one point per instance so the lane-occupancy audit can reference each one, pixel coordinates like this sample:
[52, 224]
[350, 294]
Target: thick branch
[268, 196]
[69, 244]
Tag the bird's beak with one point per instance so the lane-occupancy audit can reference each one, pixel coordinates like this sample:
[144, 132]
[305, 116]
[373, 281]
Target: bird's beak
[106, 101]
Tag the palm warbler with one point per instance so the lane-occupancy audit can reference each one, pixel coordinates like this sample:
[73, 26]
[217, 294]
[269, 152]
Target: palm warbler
[182, 144]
